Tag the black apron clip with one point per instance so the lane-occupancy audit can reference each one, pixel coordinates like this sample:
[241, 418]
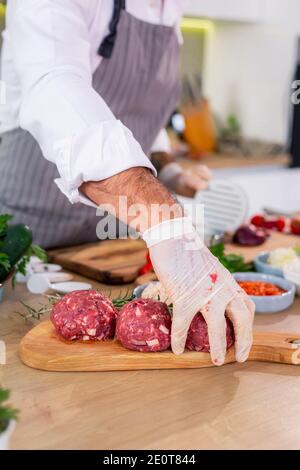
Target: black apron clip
[107, 45]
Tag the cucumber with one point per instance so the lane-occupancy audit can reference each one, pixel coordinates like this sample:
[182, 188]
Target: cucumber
[15, 244]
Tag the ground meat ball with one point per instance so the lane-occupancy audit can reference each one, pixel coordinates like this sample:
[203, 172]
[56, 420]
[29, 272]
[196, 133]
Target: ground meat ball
[197, 339]
[144, 325]
[84, 315]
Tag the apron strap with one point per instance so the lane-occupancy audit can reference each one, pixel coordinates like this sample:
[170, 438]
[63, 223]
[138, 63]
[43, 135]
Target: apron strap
[107, 45]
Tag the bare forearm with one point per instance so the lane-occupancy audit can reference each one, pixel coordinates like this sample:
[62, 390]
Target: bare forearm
[142, 191]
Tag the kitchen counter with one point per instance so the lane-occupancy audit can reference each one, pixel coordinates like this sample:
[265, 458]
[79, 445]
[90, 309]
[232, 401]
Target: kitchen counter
[253, 406]
[221, 161]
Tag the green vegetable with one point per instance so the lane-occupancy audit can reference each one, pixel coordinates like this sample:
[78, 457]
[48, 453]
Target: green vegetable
[16, 248]
[7, 413]
[33, 250]
[4, 262]
[4, 219]
[234, 263]
[15, 245]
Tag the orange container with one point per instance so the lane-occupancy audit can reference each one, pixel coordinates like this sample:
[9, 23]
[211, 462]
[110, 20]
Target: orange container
[200, 131]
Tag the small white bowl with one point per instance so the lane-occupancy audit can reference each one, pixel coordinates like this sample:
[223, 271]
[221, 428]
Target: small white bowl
[272, 303]
[293, 277]
[262, 266]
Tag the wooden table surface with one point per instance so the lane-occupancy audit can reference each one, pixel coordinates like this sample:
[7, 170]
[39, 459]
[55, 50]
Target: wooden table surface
[252, 406]
[218, 161]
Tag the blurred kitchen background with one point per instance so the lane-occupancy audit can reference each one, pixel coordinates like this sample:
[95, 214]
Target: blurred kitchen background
[239, 59]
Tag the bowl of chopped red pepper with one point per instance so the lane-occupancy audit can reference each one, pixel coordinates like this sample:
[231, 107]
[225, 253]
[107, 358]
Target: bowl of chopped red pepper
[271, 294]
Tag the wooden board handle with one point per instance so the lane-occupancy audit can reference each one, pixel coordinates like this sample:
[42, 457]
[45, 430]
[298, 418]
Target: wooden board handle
[276, 347]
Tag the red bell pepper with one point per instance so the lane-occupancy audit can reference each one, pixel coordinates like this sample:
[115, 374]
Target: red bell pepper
[295, 226]
[147, 268]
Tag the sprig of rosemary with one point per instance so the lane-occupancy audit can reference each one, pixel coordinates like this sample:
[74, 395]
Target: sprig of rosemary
[37, 313]
[119, 302]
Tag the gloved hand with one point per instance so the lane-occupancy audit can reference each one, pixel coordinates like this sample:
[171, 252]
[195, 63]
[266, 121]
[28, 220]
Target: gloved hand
[196, 281]
[185, 182]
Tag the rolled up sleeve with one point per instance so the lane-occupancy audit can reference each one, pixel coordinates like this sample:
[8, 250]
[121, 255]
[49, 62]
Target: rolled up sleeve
[73, 125]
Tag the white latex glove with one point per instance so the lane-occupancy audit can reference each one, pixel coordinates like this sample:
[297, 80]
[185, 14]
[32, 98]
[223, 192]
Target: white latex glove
[185, 182]
[196, 281]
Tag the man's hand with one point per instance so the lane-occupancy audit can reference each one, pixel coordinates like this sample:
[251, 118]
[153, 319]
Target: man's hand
[196, 281]
[184, 182]
[142, 190]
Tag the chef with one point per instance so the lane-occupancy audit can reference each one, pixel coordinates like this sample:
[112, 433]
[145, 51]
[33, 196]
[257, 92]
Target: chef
[90, 84]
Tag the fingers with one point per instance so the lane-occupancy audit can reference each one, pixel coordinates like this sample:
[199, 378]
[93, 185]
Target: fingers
[214, 315]
[241, 312]
[180, 327]
[197, 179]
[196, 183]
[204, 172]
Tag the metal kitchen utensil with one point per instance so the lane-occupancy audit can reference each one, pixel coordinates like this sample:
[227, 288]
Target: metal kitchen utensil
[225, 207]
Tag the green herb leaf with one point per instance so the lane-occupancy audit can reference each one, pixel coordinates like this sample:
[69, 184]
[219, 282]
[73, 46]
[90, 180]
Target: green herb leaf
[4, 395]
[4, 261]
[37, 313]
[121, 301]
[33, 250]
[39, 253]
[234, 263]
[21, 266]
[218, 250]
[4, 219]
[7, 413]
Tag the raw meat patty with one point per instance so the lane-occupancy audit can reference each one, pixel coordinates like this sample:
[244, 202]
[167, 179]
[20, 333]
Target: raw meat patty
[84, 315]
[197, 339]
[144, 325]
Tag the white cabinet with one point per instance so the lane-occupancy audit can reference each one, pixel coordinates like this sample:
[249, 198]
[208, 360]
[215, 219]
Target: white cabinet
[230, 10]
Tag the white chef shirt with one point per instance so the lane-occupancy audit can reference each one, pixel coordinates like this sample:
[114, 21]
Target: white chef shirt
[48, 58]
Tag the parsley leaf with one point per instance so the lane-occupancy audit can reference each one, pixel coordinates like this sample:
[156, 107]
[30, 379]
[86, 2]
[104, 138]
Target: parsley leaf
[234, 263]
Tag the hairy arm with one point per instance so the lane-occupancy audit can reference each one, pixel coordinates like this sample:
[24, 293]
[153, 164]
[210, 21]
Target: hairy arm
[142, 190]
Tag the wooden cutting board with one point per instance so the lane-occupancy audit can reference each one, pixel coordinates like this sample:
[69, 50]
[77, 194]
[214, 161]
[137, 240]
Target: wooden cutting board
[110, 262]
[42, 349]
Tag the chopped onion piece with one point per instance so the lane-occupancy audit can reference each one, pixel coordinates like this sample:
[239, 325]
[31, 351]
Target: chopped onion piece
[138, 343]
[91, 332]
[164, 330]
[152, 342]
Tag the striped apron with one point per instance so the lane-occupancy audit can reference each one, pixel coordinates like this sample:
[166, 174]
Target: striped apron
[138, 78]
